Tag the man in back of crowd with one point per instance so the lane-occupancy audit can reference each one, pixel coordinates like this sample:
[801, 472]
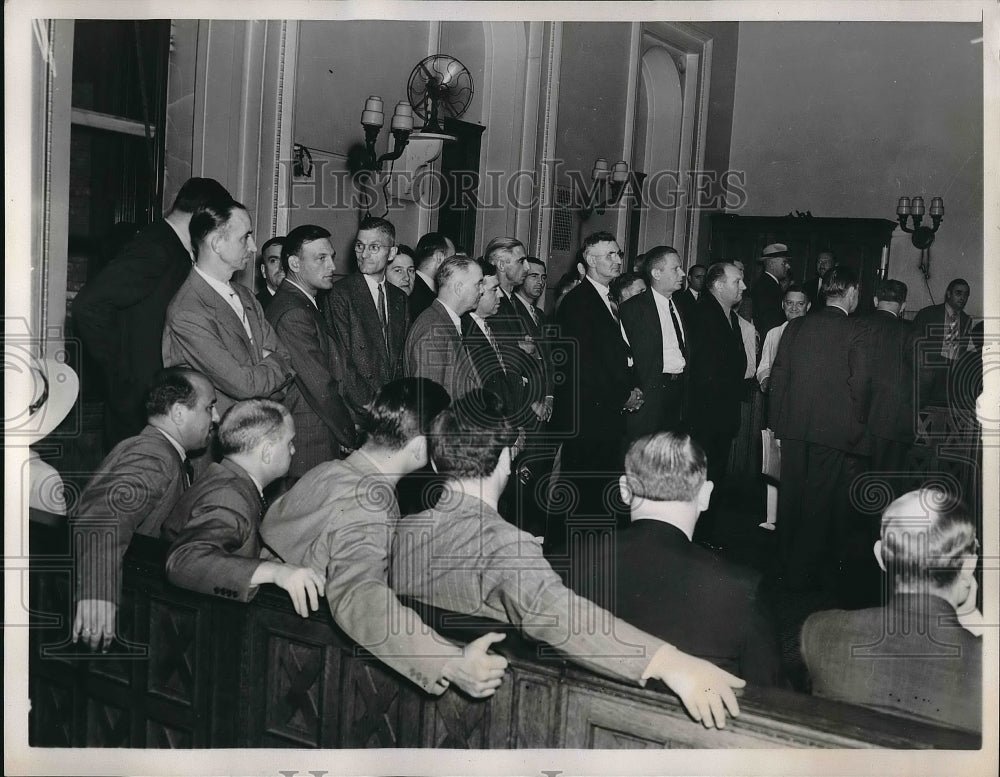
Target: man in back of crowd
[271, 271]
[825, 261]
[767, 292]
[133, 491]
[429, 254]
[214, 527]
[401, 272]
[944, 333]
[339, 521]
[121, 312]
[464, 557]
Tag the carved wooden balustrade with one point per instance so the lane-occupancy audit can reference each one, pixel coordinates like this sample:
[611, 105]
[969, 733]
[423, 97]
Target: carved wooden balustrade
[200, 671]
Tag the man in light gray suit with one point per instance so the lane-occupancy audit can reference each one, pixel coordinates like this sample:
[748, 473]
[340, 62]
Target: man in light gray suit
[218, 327]
[464, 557]
[434, 347]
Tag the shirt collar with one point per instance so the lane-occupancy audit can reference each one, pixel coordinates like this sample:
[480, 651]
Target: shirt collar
[601, 288]
[312, 298]
[224, 289]
[838, 307]
[451, 314]
[177, 446]
[373, 282]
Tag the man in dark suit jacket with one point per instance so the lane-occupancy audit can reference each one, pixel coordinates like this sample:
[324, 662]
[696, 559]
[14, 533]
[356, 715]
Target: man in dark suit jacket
[369, 317]
[484, 346]
[434, 347]
[767, 292]
[825, 260]
[691, 293]
[921, 652]
[944, 336]
[217, 326]
[431, 251]
[600, 385]
[717, 365]
[120, 313]
[674, 589]
[655, 328]
[133, 491]
[816, 411]
[271, 271]
[324, 423]
[887, 398]
[214, 527]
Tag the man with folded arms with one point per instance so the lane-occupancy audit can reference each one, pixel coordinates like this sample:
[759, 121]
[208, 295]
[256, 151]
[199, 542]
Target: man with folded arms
[214, 528]
[464, 557]
[339, 521]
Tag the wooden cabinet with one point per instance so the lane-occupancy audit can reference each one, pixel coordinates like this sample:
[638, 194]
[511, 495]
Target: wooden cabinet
[856, 243]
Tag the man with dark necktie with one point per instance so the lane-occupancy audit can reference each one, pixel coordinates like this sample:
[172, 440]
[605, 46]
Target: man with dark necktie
[133, 492]
[369, 317]
[718, 363]
[659, 346]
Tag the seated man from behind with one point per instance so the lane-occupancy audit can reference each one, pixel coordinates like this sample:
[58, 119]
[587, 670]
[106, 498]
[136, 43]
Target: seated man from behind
[214, 528]
[133, 491]
[339, 520]
[919, 653]
[673, 588]
[464, 557]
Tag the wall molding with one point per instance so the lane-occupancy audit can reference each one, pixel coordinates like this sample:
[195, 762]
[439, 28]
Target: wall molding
[546, 193]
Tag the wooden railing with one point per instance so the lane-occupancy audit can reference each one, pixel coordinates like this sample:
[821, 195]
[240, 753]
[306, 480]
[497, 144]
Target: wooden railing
[200, 671]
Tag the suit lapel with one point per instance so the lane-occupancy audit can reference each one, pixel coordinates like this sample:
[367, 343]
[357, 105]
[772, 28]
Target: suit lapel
[224, 314]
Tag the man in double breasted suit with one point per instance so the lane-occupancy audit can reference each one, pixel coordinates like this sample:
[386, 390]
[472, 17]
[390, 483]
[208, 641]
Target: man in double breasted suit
[325, 427]
[434, 348]
[217, 326]
[214, 527]
[133, 491]
[369, 318]
[120, 313]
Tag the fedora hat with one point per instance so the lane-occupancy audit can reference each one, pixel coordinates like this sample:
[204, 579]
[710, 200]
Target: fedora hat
[775, 249]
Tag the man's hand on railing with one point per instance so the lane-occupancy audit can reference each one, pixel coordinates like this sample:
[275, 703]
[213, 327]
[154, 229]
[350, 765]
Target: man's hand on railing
[477, 671]
[303, 584]
[95, 623]
[705, 689]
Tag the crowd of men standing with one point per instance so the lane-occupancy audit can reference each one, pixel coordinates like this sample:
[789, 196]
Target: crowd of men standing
[322, 386]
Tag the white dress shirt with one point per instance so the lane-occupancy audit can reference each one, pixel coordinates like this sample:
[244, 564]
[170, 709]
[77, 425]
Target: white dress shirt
[769, 351]
[373, 284]
[228, 293]
[673, 359]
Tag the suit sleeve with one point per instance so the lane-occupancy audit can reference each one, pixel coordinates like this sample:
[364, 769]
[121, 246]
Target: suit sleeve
[536, 600]
[338, 310]
[125, 282]
[204, 557]
[780, 379]
[760, 663]
[123, 494]
[190, 338]
[584, 367]
[319, 386]
[859, 380]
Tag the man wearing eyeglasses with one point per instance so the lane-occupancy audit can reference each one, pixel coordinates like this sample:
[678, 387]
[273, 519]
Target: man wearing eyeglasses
[370, 318]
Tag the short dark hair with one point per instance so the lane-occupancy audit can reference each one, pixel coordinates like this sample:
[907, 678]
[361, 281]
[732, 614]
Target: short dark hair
[593, 239]
[197, 193]
[278, 240]
[666, 467]
[838, 280]
[692, 268]
[428, 245]
[794, 287]
[382, 225]
[489, 269]
[622, 282]
[170, 386]
[656, 257]
[297, 238]
[210, 217]
[468, 437]
[402, 248]
[536, 260]
[956, 282]
[891, 290]
[249, 422]
[401, 410]
[716, 272]
[448, 268]
[498, 246]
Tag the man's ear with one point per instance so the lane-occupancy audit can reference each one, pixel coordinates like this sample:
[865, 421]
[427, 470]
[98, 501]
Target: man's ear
[213, 241]
[294, 264]
[266, 451]
[877, 547]
[263, 271]
[624, 490]
[705, 495]
[875, 300]
[177, 413]
[392, 254]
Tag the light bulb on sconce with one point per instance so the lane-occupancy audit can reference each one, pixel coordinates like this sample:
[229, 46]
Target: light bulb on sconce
[373, 119]
[610, 184]
[907, 208]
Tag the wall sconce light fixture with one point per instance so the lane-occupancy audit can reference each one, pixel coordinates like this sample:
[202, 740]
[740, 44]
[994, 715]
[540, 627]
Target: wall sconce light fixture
[920, 236]
[373, 119]
[610, 185]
